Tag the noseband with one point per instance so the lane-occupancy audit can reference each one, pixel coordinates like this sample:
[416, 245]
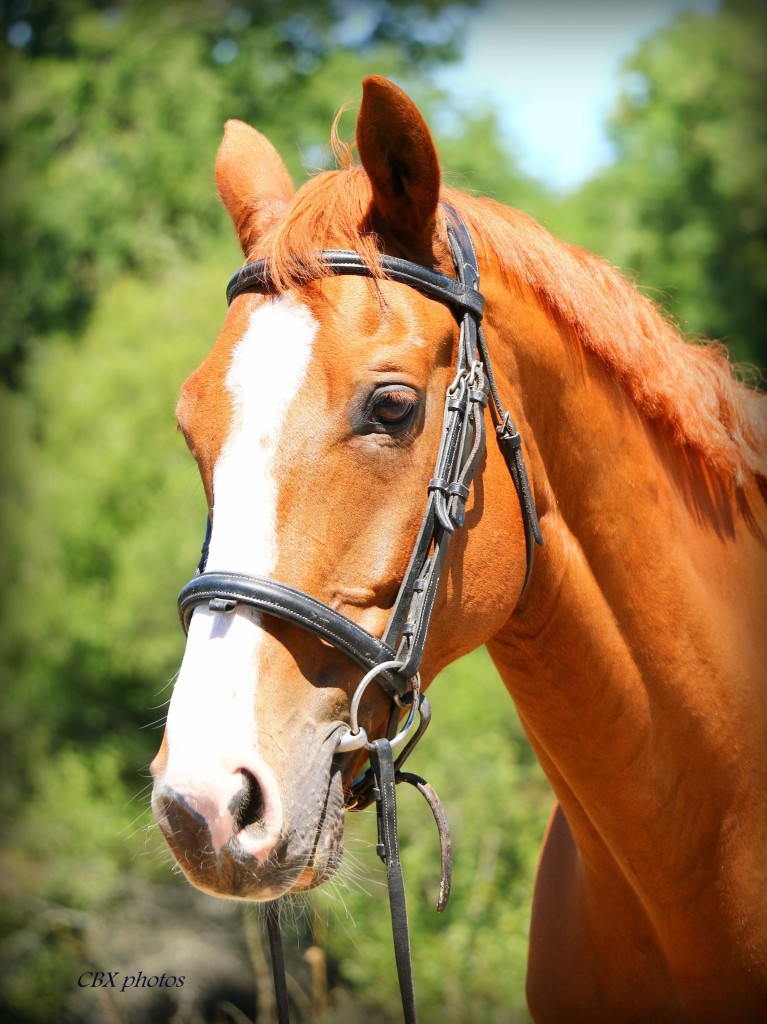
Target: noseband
[394, 659]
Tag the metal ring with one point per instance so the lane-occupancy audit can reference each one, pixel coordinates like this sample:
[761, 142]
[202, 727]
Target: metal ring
[354, 737]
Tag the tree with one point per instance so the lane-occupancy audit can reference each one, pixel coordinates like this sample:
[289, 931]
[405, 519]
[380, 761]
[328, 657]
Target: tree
[685, 206]
[110, 109]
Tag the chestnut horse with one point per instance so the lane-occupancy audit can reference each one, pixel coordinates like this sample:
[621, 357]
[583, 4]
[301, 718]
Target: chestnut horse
[636, 656]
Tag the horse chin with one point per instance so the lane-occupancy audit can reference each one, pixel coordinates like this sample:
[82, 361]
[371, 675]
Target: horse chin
[327, 851]
[304, 856]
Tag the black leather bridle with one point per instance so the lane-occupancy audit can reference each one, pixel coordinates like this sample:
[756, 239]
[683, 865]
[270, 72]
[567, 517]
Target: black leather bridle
[394, 659]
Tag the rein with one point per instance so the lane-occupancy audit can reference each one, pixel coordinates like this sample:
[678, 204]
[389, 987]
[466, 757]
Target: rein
[393, 660]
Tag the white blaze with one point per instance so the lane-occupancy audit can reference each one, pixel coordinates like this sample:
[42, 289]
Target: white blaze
[211, 716]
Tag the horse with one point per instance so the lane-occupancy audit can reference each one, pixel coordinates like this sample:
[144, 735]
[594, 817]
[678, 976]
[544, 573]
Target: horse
[635, 654]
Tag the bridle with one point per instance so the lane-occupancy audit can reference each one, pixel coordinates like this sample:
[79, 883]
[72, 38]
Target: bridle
[394, 659]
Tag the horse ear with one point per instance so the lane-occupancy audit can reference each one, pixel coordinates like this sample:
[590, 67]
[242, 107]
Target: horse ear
[397, 152]
[253, 182]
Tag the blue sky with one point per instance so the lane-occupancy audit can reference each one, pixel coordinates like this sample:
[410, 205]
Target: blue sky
[552, 70]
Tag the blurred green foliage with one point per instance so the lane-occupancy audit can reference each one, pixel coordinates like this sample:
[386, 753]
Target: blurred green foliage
[111, 277]
[684, 207]
[110, 490]
[110, 108]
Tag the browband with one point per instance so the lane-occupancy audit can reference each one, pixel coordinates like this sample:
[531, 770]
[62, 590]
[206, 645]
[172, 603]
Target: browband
[345, 261]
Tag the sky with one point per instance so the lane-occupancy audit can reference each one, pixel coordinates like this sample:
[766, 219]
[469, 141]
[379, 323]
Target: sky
[552, 70]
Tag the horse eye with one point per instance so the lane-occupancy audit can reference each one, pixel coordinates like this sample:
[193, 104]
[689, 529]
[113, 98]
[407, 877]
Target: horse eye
[393, 407]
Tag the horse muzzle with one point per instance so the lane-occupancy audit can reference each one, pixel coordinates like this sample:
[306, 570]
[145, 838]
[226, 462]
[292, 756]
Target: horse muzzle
[229, 832]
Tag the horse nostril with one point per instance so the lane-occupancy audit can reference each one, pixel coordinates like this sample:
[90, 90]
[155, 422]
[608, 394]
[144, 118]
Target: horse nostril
[250, 806]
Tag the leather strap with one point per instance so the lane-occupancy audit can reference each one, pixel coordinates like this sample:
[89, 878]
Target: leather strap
[278, 961]
[346, 261]
[443, 829]
[510, 443]
[223, 591]
[385, 779]
[388, 850]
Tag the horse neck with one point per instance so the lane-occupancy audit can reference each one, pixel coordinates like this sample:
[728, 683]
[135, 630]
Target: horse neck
[634, 668]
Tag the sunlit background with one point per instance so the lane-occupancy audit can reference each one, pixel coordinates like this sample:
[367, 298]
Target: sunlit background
[552, 69]
[635, 129]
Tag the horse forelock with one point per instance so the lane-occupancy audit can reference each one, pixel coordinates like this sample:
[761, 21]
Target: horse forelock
[331, 211]
[688, 387]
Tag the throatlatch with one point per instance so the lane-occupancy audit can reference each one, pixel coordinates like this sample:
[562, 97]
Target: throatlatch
[394, 659]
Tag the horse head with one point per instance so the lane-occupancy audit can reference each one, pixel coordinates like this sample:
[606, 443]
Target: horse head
[315, 421]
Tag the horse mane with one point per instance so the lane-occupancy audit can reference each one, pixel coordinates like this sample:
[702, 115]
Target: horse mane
[689, 387]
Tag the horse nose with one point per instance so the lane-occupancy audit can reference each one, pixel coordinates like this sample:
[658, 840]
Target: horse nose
[241, 807]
